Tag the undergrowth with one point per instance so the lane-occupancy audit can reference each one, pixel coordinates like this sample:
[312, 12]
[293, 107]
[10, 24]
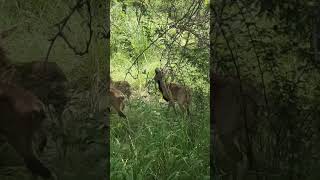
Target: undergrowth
[155, 143]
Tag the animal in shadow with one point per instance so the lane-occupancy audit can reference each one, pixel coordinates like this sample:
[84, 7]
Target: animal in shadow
[22, 114]
[44, 79]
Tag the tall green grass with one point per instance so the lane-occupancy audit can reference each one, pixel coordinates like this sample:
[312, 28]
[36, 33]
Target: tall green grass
[155, 143]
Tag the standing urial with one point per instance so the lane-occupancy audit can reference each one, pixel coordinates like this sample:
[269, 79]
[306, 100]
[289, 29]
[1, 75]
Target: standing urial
[173, 92]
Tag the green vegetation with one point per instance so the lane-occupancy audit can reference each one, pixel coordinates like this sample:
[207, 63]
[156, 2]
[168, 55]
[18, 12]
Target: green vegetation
[154, 142]
[76, 151]
[275, 44]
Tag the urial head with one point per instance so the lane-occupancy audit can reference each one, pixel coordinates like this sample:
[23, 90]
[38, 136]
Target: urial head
[159, 75]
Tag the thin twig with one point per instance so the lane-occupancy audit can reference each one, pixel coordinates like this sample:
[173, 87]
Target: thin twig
[249, 148]
[62, 24]
[187, 15]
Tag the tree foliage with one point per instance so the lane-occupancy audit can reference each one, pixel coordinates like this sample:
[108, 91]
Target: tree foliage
[276, 44]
